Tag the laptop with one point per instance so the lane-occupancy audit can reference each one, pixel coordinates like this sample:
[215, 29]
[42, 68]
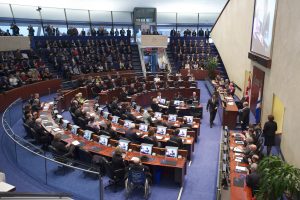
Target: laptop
[162, 130]
[124, 144]
[171, 152]
[115, 119]
[143, 127]
[104, 140]
[172, 118]
[87, 134]
[146, 148]
[182, 132]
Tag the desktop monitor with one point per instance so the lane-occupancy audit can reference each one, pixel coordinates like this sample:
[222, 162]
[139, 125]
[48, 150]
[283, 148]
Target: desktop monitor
[182, 132]
[171, 152]
[99, 110]
[146, 148]
[172, 118]
[127, 123]
[138, 108]
[105, 115]
[189, 119]
[161, 130]
[74, 129]
[87, 134]
[124, 144]
[177, 102]
[162, 101]
[115, 119]
[104, 140]
[58, 118]
[143, 127]
[158, 115]
[65, 124]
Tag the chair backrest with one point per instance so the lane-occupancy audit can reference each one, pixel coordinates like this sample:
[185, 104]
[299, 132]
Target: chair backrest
[108, 169]
[172, 143]
[136, 175]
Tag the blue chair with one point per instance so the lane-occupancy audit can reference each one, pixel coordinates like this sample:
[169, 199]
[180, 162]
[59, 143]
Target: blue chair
[137, 179]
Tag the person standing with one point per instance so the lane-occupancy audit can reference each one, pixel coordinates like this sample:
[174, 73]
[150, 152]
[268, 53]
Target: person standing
[212, 107]
[269, 131]
[244, 116]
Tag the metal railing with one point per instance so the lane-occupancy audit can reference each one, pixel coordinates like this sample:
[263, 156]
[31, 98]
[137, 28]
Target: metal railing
[42, 167]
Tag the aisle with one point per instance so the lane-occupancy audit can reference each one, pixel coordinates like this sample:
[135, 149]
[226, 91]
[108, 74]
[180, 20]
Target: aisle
[201, 179]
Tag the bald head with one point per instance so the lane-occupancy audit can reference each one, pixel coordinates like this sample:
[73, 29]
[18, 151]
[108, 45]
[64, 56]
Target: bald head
[253, 167]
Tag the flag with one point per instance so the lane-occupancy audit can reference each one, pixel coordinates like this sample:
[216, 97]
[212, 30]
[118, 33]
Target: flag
[248, 90]
[258, 108]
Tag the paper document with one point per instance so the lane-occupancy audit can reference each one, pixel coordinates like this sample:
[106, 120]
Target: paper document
[75, 142]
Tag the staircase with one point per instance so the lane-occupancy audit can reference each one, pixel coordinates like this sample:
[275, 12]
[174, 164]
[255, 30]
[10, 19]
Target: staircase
[136, 62]
[171, 59]
[221, 68]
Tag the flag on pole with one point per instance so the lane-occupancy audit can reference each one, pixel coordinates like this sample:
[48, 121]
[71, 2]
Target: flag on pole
[248, 90]
[258, 108]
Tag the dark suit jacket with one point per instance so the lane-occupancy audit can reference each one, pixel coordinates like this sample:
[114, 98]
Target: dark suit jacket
[212, 105]
[118, 162]
[61, 147]
[177, 139]
[132, 136]
[269, 133]
[155, 107]
[245, 115]
[252, 180]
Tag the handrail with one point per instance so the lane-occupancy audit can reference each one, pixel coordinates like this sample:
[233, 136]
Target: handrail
[23, 194]
[219, 16]
[33, 152]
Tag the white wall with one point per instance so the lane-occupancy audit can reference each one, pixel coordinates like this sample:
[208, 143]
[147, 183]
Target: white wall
[232, 35]
[12, 43]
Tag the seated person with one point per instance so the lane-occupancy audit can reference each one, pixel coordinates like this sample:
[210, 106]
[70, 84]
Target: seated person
[29, 120]
[194, 97]
[253, 159]
[111, 132]
[178, 97]
[151, 137]
[175, 138]
[123, 94]
[42, 136]
[118, 161]
[252, 179]
[185, 124]
[93, 124]
[147, 116]
[154, 105]
[249, 151]
[131, 135]
[66, 150]
[132, 90]
[138, 166]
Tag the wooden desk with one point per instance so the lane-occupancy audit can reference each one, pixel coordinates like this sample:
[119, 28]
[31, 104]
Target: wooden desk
[178, 171]
[237, 193]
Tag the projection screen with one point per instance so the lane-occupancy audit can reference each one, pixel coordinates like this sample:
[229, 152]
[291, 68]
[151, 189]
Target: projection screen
[262, 31]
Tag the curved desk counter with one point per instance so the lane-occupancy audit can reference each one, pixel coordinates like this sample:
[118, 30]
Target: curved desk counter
[177, 171]
[24, 92]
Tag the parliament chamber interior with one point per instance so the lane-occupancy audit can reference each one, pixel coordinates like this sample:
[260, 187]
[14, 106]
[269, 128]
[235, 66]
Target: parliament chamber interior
[173, 100]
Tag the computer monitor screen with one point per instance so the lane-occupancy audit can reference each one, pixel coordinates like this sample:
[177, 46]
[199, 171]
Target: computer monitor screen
[65, 124]
[162, 101]
[105, 114]
[104, 140]
[157, 115]
[189, 119]
[161, 130]
[115, 119]
[146, 148]
[127, 123]
[182, 132]
[171, 152]
[58, 118]
[143, 127]
[177, 102]
[87, 134]
[74, 129]
[172, 118]
[124, 144]
[138, 108]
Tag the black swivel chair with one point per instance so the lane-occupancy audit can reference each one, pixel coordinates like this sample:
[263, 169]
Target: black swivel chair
[172, 143]
[116, 176]
[61, 158]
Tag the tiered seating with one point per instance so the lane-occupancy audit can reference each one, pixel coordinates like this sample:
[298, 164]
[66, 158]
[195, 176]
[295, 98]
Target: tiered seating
[76, 55]
[21, 67]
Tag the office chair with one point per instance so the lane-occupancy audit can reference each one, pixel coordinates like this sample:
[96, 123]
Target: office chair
[148, 140]
[137, 179]
[116, 177]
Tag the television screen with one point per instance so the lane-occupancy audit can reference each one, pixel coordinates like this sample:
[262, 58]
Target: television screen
[172, 118]
[124, 144]
[262, 31]
[177, 102]
[104, 140]
[143, 127]
[115, 119]
[182, 132]
[87, 134]
[105, 115]
[162, 101]
[146, 148]
[161, 130]
[74, 129]
[189, 119]
[58, 118]
[138, 108]
[171, 152]
[65, 124]
[158, 115]
[127, 123]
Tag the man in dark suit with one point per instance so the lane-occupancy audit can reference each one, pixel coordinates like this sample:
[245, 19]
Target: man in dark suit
[42, 136]
[175, 138]
[154, 105]
[131, 135]
[64, 149]
[117, 159]
[201, 32]
[244, 116]
[269, 131]
[252, 179]
[194, 97]
[123, 95]
[212, 106]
